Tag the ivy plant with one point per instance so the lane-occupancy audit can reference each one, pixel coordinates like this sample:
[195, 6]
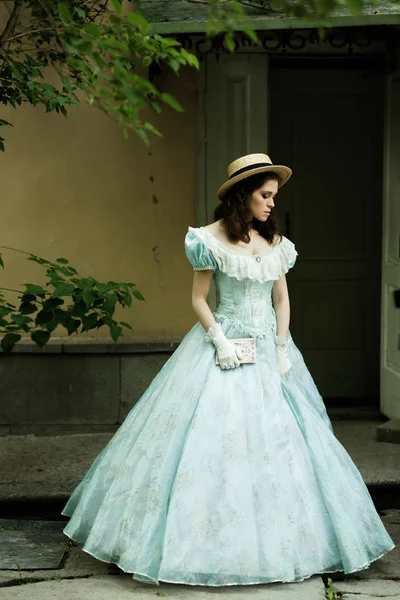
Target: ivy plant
[104, 51]
[77, 304]
[101, 53]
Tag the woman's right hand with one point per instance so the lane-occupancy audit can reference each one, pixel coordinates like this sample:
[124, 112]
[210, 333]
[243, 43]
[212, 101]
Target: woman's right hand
[228, 354]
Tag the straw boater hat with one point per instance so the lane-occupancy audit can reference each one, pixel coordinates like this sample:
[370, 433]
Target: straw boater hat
[252, 164]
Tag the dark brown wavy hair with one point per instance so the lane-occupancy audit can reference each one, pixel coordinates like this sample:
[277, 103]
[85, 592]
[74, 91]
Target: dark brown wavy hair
[234, 212]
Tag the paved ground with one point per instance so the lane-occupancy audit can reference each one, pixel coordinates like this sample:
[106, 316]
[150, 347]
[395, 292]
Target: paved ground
[50, 467]
[123, 588]
[369, 589]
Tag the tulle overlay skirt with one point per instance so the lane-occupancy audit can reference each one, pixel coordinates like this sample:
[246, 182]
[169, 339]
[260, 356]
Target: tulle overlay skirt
[226, 477]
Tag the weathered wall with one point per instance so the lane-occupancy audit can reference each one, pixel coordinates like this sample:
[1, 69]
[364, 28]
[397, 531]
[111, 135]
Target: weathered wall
[117, 210]
[75, 389]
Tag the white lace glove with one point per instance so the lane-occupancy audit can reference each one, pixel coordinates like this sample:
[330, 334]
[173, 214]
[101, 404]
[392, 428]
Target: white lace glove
[284, 364]
[228, 354]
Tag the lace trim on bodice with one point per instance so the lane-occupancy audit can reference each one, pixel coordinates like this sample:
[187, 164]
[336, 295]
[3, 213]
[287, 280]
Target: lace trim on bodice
[261, 267]
[247, 330]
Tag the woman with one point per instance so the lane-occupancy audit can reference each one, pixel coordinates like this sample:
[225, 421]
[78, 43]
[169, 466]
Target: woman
[227, 472]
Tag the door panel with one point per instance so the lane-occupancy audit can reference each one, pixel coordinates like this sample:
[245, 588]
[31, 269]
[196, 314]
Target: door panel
[390, 355]
[236, 117]
[326, 125]
[233, 121]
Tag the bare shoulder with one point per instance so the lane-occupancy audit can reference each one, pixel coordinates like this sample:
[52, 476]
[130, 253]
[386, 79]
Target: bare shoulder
[214, 227]
[217, 229]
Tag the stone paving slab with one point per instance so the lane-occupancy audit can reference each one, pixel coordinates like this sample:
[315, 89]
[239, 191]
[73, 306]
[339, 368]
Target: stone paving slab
[82, 564]
[122, 587]
[378, 462]
[31, 544]
[364, 597]
[369, 587]
[46, 467]
[52, 466]
[77, 564]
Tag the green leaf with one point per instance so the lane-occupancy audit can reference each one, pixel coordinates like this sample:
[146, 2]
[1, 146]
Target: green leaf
[52, 325]
[171, 101]
[229, 41]
[109, 303]
[89, 296]
[39, 260]
[62, 261]
[27, 308]
[64, 12]
[52, 303]
[124, 298]
[126, 325]
[138, 295]
[115, 331]
[20, 320]
[139, 21]
[251, 34]
[191, 59]
[43, 317]
[4, 123]
[98, 59]
[89, 321]
[175, 65]
[99, 302]
[1, 262]
[152, 129]
[28, 298]
[63, 289]
[103, 287]
[40, 337]
[9, 340]
[80, 12]
[143, 136]
[4, 311]
[34, 290]
[117, 5]
[92, 29]
[71, 325]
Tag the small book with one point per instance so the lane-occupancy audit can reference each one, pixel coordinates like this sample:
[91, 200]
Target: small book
[248, 350]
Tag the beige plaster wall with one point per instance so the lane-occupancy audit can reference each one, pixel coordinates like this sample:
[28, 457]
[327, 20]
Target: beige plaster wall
[117, 210]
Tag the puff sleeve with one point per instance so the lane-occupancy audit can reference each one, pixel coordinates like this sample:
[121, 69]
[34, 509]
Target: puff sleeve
[199, 256]
[288, 254]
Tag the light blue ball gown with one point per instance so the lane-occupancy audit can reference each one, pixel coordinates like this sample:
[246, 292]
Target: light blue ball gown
[223, 477]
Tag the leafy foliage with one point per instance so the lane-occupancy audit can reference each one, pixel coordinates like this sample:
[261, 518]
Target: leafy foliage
[103, 51]
[76, 303]
[331, 592]
[96, 48]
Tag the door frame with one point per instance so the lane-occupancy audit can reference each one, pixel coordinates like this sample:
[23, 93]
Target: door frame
[201, 151]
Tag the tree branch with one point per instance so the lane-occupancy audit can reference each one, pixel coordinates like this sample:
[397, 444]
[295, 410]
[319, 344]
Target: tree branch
[16, 250]
[12, 21]
[11, 290]
[29, 32]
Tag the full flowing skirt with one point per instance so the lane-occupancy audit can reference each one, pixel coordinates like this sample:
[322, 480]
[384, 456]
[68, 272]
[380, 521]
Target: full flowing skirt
[226, 477]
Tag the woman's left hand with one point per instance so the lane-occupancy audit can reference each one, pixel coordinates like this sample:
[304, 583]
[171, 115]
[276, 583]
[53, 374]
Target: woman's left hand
[284, 364]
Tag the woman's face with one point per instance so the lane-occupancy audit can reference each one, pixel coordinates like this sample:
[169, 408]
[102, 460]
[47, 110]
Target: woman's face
[261, 201]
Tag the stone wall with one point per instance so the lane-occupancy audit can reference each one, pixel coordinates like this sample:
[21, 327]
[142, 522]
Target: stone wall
[75, 387]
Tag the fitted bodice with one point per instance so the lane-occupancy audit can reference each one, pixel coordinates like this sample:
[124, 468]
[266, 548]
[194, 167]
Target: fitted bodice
[244, 282]
[247, 303]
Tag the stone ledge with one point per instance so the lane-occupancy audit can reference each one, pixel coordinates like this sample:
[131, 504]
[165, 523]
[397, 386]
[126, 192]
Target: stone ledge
[96, 347]
[389, 432]
[38, 429]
